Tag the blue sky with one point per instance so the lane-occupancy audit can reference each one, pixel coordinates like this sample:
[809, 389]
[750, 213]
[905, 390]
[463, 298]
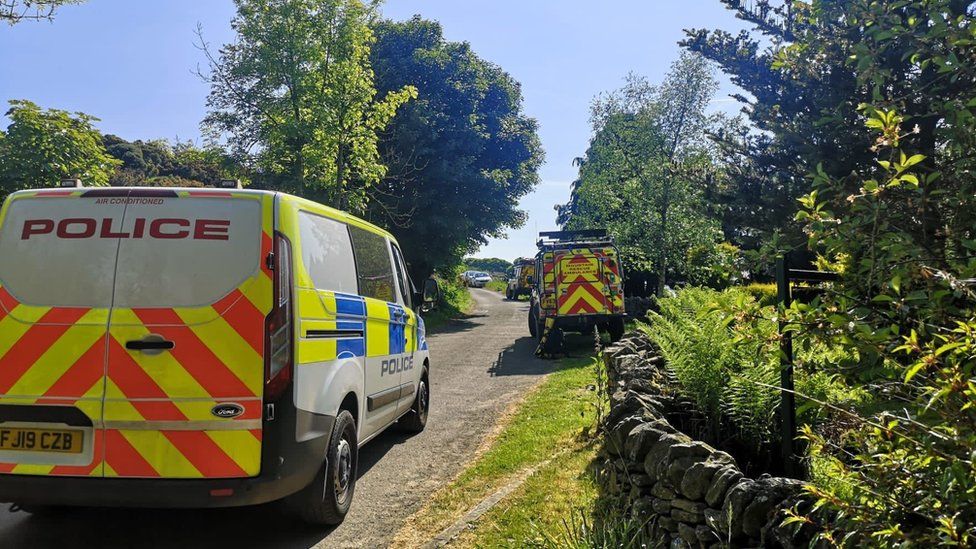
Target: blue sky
[130, 63]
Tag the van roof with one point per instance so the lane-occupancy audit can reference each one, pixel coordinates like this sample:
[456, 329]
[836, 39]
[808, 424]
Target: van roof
[310, 205]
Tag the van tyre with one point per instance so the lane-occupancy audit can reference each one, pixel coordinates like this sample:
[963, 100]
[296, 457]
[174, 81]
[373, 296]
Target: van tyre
[40, 510]
[416, 419]
[615, 328]
[533, 324]
[327, 499]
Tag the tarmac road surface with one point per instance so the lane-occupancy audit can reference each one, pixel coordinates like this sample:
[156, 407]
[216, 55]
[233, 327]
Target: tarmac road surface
[479, 366]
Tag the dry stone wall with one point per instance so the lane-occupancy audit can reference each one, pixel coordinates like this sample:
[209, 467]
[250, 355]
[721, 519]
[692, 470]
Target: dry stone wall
[688, 493]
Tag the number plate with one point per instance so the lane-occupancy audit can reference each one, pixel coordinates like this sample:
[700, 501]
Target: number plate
[65, 441]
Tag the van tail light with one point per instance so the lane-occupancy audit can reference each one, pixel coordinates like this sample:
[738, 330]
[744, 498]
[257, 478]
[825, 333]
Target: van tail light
[278, 333]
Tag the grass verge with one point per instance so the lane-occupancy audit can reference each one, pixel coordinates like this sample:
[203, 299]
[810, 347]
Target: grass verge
[497, 286]
[555, 421]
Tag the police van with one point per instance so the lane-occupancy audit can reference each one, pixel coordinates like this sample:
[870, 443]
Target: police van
[199, 348]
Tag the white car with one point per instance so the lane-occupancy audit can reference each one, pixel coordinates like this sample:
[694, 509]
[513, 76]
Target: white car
[479, 279]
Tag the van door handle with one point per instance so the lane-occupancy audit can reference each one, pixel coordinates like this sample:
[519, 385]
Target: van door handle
[151, 344]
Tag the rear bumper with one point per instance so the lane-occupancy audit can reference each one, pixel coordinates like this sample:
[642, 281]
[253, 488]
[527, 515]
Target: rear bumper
[584, 322]
[294, 446]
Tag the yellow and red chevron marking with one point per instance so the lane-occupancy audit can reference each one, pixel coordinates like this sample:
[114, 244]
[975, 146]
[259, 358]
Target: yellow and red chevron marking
[151, 413]
[582, 299]
[52, 356]
[217, 358]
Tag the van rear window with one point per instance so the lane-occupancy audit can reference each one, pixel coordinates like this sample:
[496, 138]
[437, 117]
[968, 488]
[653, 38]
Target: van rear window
[202, 250]
[170, 252]
[52, 253]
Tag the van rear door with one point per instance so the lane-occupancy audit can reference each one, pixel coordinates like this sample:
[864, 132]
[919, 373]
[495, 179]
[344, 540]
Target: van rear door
[580, 286]
[57, 267]
[186, 338]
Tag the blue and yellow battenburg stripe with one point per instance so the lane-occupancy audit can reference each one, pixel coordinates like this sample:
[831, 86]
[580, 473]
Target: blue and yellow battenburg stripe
[383, 326]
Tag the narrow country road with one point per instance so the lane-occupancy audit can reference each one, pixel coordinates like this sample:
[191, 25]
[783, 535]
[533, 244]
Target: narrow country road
[479, 366]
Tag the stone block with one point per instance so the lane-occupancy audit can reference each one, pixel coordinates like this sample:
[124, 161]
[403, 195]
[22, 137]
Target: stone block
[641, 479]
[721, 481]
[688, 534]
[662, 506]
[639, 441]
[659, 452]
[698, 479]
[685, 516]
[663, 491]
[677, 468]
[706, 536]
[689, 506]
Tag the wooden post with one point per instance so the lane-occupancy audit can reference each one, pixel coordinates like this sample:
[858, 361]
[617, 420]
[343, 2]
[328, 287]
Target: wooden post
[787, 406]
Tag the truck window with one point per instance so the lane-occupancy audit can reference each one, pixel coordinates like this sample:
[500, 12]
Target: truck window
[327, 253]
[373, 264]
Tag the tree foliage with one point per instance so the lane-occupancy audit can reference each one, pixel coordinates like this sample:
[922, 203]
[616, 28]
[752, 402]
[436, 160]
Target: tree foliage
[648, 173]
[15, 11]
[159, 162]
[460, 156]
[488, 264]
[294, 94]
[43, 146]
[868, 113]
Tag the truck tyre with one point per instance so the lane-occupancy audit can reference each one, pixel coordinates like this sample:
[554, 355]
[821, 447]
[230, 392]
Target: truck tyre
[416, 419]
[533, 325]
[327, 499]
[616, 329]
[47, 511]
[508, 294]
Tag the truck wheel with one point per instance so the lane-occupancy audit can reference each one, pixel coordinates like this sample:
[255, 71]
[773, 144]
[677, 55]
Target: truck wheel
[42, 510]
[533, 325]
[416, 419]
[327, 499]
[616, 329]
[508, 294]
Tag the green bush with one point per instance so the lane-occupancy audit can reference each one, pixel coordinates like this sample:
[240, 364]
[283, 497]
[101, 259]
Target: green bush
[718, 361]
[723, 348]
[764, 294]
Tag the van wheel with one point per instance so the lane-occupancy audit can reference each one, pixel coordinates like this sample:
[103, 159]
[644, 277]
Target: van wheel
[416, 419]
[616, 329]
[533, 325]
[40, 510]
[327, 499]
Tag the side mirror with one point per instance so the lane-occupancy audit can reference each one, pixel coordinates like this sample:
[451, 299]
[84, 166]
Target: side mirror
[530, 280]
[432, 291]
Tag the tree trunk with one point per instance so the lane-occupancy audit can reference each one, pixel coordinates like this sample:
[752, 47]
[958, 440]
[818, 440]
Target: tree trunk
[342, 200]
[663, 252]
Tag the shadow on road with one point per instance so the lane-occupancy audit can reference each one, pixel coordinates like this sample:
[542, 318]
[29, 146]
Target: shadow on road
[518, 359]
[458, 325]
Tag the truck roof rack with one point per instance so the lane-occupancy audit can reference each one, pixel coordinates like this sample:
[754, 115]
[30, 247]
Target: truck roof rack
[582, 238]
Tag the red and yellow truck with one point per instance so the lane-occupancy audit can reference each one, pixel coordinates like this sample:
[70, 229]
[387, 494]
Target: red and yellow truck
[579, 284]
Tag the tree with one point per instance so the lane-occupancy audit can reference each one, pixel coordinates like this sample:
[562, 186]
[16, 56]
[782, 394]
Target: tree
[869, 107]
[647, 172]
[294, 94]
[460, 156]
[159, 162]
[42, 147]
[488, 264]
[15, 11]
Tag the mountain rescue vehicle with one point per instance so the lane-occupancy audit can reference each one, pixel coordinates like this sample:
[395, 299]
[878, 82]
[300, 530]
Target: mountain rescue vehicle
[579, 285]
[199, 348]
[519, 284]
